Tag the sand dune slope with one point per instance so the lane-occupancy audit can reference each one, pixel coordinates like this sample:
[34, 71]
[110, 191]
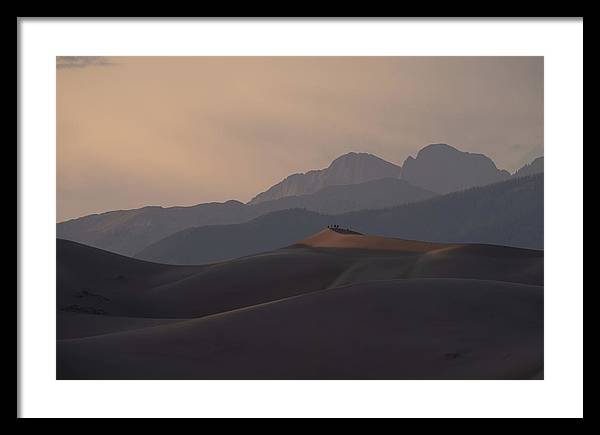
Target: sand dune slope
[388, 258]
[78, 325]
[335, 306]
[120, 286]
[333, 239]
[97, 282]
[397, 329]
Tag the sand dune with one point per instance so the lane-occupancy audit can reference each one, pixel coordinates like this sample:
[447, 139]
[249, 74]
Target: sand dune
[94, 281]
[399, 329]
[334, 306]
[77, 325]
[333, 239]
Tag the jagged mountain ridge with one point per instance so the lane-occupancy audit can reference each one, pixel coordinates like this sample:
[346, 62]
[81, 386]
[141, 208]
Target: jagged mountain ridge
[443, 169]
[535, 167]
[351, 168]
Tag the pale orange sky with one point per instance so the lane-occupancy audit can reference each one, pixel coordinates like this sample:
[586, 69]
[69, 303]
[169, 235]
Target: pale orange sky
[135, 131]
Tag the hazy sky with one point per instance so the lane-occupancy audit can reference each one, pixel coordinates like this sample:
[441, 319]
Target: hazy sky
[135, 131]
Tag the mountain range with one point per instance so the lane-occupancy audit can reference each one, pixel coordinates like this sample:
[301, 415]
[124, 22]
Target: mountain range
[129, 231]
[352, 182]
[508, 213]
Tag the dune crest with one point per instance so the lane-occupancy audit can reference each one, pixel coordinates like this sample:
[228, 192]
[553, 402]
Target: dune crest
[329, 238]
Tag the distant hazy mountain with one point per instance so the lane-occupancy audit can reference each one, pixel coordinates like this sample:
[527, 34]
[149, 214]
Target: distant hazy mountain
[508, 213]
[351, 168]
[535, 167]
[441, 168]
[374, 194]
[129, 231]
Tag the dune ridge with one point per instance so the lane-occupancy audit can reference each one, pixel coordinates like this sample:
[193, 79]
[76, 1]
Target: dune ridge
[328, 238]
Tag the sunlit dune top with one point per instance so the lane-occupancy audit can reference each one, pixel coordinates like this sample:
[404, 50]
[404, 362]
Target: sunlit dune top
[329, 238]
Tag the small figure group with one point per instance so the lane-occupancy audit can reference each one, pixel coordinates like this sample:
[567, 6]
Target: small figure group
[340, 230]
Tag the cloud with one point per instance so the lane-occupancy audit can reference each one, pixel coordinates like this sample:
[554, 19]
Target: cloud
[81, 61]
